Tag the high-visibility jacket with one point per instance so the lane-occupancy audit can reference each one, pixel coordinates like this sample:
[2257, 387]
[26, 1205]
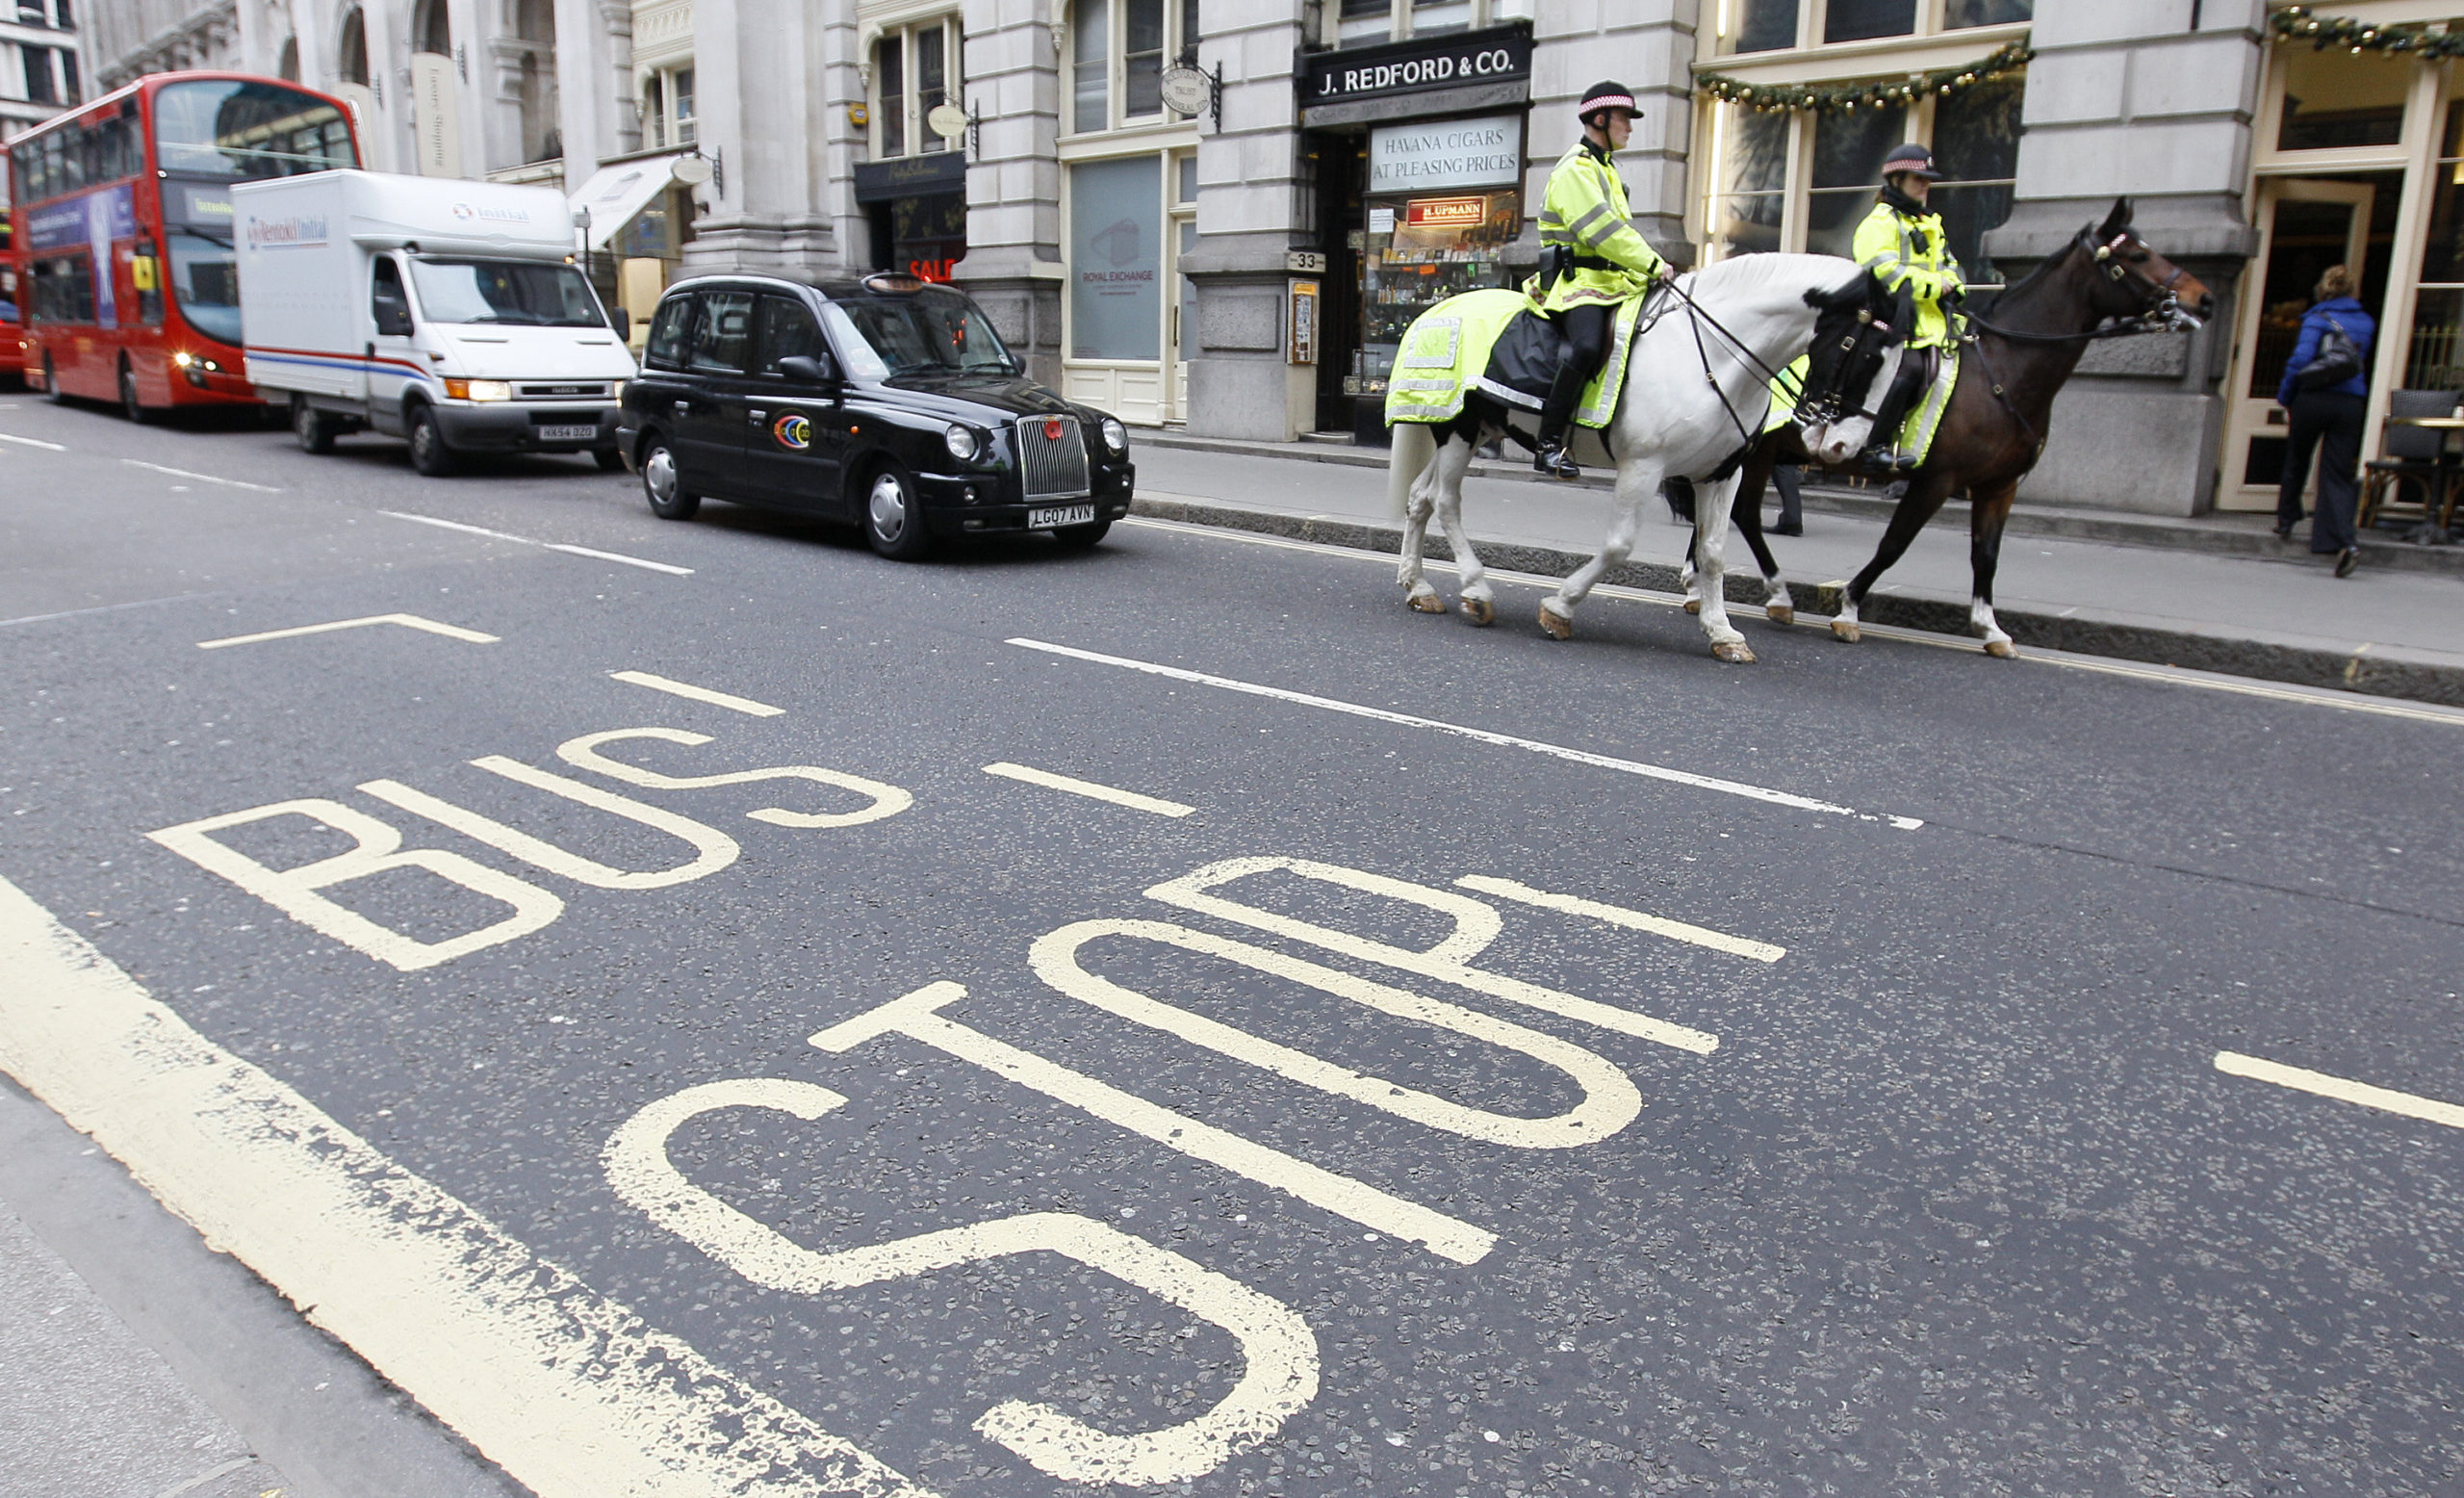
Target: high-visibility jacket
[1912, 250]
[1585, 211]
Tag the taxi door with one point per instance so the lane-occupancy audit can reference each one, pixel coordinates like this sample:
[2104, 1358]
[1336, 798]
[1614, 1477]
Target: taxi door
[795, 432]
[707, 415]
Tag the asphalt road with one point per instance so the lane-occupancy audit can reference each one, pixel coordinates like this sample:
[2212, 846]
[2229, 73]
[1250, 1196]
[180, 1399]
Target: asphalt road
[1816, 1088]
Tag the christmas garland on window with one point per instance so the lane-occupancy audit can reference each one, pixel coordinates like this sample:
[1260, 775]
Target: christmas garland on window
[1836, 98]
[2295, 23]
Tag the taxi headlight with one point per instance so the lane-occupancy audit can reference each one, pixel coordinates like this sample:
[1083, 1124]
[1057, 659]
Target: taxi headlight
[1115, 435]
[962, 443]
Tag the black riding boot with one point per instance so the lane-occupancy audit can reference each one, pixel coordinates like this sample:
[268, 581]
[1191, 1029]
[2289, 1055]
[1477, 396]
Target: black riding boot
[1556, 417]
[1882, 449]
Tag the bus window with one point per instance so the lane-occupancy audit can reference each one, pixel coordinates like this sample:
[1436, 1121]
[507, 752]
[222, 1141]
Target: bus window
[226, 128]
[64, 290]
[205, 284]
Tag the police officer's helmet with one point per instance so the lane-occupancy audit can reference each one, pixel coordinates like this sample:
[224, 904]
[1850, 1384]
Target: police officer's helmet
[1913, 159]
[1602, 97]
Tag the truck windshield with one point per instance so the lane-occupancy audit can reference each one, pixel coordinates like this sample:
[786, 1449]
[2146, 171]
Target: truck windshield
[932, 332]
[527, 292]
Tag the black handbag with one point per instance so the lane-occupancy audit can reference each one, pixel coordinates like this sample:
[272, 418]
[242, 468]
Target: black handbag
[2338, 359]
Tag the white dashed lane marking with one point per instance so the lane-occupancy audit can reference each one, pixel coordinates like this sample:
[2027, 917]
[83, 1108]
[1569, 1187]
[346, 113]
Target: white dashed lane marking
[451, 631]
[2342, 1089]
[1631, 919]
[1087, 788]
[182, 472]
[553, 546]
[677, 689]
[1732, 787]
[32, 442]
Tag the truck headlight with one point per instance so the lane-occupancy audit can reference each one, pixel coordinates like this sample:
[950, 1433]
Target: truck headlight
[1115, 435]
[479, 389]
[962, 443]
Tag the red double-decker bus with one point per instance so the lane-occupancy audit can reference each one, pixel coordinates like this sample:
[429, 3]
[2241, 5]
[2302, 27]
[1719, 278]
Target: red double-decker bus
[127, 278]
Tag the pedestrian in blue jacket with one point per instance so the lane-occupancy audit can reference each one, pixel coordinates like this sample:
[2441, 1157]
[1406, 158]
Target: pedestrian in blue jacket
[2329, 418]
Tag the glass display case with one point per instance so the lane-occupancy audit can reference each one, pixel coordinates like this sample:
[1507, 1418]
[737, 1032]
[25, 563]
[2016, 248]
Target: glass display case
[1415, 253]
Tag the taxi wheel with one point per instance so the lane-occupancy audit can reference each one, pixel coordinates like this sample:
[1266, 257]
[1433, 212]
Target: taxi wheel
[1079, 538]
[893, 521]
[662, 485]
[429, 453]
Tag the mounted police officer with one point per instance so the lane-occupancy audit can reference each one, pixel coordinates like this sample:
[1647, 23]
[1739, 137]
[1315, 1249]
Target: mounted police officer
[1902, 241]
[1593, 260]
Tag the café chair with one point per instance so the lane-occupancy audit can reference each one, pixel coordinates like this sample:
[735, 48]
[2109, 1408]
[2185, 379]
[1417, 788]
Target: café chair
[2415, 456]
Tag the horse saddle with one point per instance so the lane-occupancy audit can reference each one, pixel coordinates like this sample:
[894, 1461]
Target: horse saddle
[1499, 344]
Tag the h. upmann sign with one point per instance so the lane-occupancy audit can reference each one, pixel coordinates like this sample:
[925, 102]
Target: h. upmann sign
[1497, 55]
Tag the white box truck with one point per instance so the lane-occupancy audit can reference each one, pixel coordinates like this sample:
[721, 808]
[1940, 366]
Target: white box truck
[443, 311]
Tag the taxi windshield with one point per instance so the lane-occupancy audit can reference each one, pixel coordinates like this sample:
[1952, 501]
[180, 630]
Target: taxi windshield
[931, 332]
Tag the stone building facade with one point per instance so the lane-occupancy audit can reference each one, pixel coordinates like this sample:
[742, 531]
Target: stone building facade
[1216, 213]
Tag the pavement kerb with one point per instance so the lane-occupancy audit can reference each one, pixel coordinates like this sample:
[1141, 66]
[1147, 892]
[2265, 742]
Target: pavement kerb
[2236, 535]
[2381, 671]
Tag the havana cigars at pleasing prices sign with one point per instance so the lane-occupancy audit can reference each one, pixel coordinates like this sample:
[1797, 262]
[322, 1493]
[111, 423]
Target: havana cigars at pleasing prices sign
[1449, 153]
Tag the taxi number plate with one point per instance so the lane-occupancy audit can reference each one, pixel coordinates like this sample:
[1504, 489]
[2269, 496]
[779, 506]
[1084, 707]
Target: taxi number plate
[568, 433]
[1064, 515]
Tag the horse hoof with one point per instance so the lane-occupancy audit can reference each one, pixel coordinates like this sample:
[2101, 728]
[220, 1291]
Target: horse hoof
[1693, 605]
[1780, 613]
[2000, 650]
[1427, 603]
[1735, 652]
[1554, 625]
[1846, 630]
[1480, 611]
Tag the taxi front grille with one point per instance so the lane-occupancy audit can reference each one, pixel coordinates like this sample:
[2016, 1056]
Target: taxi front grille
[1052, 458]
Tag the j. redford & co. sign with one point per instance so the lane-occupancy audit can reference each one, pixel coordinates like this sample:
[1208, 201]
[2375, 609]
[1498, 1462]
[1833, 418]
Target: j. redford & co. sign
[1501, 54]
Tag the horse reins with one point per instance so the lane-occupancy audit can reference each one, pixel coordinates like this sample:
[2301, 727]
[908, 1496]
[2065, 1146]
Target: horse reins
[2164, 303]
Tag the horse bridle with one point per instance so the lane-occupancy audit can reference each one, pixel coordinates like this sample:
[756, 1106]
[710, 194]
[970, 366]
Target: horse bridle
[2160, 309]
[1827, 406]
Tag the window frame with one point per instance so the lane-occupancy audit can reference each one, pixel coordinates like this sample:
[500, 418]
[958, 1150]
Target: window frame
[1398, 21]
[670, 130]
[1116, 60]
[914, 134]
[1931, 24]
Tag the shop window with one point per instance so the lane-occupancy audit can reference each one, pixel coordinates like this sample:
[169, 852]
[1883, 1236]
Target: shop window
[1115, 258]
[1750, 204]
[1743, 26]
[1862, 20]
[1363, 23]
[667, 108]
[1960, 15]
[2434, 350]
[2334, 99]
[1118, 53]
[914, 72]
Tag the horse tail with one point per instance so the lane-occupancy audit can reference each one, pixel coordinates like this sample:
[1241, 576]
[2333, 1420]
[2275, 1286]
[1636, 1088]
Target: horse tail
[1415, 448]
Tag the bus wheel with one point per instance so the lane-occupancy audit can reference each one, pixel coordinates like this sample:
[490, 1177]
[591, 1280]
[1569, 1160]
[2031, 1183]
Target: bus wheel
[128, 406]
[313, 429]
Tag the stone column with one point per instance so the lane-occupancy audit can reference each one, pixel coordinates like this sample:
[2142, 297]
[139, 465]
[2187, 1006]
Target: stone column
[1013, 264]
[2128, 98]
[761, 77]
[594, 67]
[1648, 45]
[1254, 209]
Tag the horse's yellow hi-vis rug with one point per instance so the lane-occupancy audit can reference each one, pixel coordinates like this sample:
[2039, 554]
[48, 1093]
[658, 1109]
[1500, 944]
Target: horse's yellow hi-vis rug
[1446, 354]
[567, 1390]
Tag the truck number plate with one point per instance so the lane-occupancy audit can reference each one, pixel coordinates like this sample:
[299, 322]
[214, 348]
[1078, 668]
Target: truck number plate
[582, 433]
[1063, 515]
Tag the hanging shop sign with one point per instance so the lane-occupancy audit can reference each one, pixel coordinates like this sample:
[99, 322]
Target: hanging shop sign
[1449, 153]
[1497, 54]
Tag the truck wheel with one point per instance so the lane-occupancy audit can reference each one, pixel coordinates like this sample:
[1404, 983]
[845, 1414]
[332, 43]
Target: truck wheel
[608, 460]
[662, 485]
[313, 429]
[429, 453]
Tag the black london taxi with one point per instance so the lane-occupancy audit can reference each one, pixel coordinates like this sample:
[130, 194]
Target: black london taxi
[886, 402]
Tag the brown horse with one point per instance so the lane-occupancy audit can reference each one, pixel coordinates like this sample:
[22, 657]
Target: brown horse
[2107, 283]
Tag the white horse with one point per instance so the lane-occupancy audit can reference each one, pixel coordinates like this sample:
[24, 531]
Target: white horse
[1696, 391]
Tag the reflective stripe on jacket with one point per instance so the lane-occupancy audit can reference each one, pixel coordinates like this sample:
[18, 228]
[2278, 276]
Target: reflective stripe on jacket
[1912, 251]
[1585, 210]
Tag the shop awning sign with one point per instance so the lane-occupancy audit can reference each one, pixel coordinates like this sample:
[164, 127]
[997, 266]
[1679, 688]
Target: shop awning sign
[1453, 60]
[1446, 153]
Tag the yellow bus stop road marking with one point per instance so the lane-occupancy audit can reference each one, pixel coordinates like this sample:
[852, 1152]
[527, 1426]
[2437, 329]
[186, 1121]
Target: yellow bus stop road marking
[2342, 1089]
[567, 1390]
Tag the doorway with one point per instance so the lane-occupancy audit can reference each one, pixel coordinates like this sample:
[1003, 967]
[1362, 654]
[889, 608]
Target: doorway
[2306, 224]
